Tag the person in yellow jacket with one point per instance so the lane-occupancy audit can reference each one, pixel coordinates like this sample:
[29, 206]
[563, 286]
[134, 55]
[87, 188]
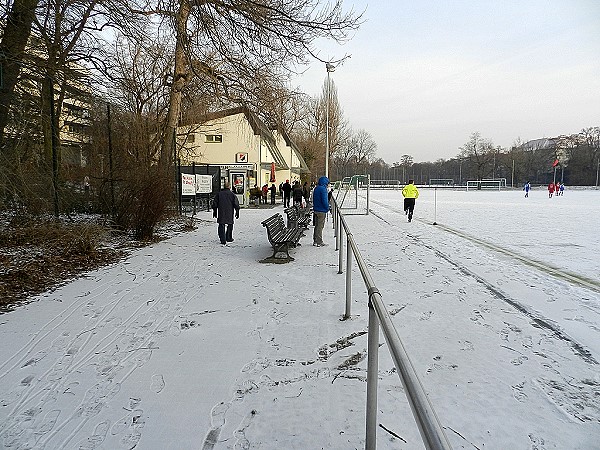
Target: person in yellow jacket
[410, 194]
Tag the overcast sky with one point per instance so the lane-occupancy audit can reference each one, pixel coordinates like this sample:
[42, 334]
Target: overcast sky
[423, 75]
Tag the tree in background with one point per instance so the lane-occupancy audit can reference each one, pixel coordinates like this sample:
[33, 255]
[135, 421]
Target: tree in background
[406, 162]
[355, 154]
[480, 154]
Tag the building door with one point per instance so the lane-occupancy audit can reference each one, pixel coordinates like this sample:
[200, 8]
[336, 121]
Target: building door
[238, 185]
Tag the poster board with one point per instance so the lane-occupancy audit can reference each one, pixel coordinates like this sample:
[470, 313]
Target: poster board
[188, 184]
[204, 184]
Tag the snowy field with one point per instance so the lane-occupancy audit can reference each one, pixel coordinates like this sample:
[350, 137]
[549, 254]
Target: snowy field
[191, 345]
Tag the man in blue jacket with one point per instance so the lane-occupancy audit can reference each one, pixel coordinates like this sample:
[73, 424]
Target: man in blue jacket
[320, 208]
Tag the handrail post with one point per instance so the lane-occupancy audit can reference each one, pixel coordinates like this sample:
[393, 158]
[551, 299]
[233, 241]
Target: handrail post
[339, 231]
[372, 375]
[336, 224]
[339, 244]
[368, 191]
[348, 277]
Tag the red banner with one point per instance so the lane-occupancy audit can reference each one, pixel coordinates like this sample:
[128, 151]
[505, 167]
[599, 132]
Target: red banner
[272, 179]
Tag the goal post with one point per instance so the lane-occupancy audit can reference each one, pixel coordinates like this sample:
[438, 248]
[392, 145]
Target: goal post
[352, 194]
[493, 185]
[441, 182]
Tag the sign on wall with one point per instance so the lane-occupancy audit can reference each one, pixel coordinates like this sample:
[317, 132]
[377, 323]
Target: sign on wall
[241, 157]
[188, 184]
[203, 184]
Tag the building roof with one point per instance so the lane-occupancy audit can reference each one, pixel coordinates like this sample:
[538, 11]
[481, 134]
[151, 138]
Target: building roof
[257, 125]
[540, 144]
[288, 141]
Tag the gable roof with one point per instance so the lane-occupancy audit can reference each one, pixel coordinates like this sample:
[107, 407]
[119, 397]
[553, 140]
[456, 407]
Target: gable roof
[288, 141]
[257, 125]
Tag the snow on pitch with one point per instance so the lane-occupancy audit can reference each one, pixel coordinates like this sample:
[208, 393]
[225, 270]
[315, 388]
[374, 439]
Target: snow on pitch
[190, 345]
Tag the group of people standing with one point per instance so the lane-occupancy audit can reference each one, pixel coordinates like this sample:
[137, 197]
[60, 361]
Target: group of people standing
[226, 205]
[555, 188]
[296, 192]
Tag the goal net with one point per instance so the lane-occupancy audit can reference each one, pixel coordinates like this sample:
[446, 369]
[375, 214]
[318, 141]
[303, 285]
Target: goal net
[494, 185]
[441, 182]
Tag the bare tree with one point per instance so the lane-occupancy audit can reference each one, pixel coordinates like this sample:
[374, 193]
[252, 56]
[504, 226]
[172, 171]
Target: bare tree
[364, 149]
[308, 133]
[480, 152]
[245, 44]
[15, 35]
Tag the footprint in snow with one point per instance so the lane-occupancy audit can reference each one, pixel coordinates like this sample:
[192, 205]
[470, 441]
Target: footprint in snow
[158, 383]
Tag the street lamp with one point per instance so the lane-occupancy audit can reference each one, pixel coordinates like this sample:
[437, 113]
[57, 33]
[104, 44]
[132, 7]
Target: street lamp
[330, 68]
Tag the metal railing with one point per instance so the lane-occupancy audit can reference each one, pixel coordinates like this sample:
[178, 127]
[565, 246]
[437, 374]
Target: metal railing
[429, 425]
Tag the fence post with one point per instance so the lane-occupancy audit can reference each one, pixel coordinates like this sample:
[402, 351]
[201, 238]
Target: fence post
[339, 245]
[348, 277]
[372, 375]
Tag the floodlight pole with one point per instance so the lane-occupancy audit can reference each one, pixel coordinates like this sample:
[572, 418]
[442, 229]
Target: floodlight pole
[330, 68]
[512, 178]
[597, 170]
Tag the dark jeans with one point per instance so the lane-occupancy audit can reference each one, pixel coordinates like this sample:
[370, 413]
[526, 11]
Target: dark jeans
[409, 206]
[225, 236]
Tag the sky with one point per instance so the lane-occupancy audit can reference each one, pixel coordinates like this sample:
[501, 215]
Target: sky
[423, 76]
[188, 344]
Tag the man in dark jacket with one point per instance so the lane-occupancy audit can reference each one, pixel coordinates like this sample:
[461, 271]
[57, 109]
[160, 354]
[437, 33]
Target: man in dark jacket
[320, 208]
[224, 205]
[287, 189]
[297, 194]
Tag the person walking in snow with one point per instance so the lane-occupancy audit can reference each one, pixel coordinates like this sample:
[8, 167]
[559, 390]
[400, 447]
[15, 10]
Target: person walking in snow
[550, 189]
[320, 209]
[562, 189]
[225, 204]
[527, 188]
[410, 194]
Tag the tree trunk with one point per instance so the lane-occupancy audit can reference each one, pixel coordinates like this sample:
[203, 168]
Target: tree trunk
[12, 47]
[180, 79]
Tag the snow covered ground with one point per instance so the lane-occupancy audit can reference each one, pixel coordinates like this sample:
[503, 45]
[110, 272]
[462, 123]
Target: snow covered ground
[191, 345]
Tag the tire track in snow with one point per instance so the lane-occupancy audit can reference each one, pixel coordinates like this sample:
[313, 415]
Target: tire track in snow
[541, 322]
[546, 268]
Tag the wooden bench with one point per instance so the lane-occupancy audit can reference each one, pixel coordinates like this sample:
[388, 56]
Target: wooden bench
[281, 237]
[297, 217]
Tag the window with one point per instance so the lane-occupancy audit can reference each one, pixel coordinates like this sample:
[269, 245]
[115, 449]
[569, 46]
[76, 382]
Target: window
[74, 111]
[214, 138]
[74, 127]
[190, 138]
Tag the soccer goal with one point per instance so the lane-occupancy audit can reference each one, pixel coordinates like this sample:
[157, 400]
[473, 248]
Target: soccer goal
[488, 185]
[441, 182]
[352, 194]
